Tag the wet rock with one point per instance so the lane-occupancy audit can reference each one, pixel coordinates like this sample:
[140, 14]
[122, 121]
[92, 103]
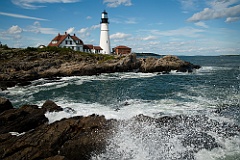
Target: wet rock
[5, 104]
[199, 140]
[51, 106]
[74, 138]
[166, 64]
[21, 120]
[57, 157]
[69, 110]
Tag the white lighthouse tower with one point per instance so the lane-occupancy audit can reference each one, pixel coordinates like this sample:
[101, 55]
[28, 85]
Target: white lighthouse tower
[104, 36]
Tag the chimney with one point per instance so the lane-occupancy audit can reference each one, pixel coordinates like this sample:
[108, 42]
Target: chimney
[74, 34]
[65, 33]
[58, 34]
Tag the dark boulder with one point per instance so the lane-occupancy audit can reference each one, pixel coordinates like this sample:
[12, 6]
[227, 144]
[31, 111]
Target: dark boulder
[5, 104]
[74, 138]
[51, 106]
[21, 120]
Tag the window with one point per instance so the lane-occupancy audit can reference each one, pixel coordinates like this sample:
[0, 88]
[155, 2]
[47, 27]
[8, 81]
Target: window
[70, 42]
[66, 42]
[54, 42]
[72, 47]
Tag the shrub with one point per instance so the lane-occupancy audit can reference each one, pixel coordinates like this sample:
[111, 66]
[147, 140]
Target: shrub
[4, 46]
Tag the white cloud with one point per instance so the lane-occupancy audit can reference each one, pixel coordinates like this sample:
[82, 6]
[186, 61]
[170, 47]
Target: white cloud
[221, 4]
[201, 24]
[21, 16]
[116, 3]
[88, 29]
[95, 27]
[218, 9]
[36, 28]
[185, 32]
[13, 34]
[48, 31]
[15, 30]
[187, 5]
[88, 17]
[36, 23]
[31, 4]
[131, 21]
[119, 35]
[149, 38]
[86, 32]
[232, 19]
[83, 30]
[70, 30]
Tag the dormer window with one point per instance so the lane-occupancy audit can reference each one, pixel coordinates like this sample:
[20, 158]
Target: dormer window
[54, 42]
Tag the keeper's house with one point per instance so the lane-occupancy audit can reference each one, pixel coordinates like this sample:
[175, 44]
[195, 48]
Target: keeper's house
[73, 42]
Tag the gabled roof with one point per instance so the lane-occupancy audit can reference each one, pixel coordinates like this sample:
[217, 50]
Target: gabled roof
[75, 38]
[60, 38]
[122, 47]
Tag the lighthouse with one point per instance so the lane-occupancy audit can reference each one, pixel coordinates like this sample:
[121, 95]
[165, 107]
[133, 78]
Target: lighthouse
[104, 36]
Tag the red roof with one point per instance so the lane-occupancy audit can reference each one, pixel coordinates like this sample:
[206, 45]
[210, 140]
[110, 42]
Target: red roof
[97, 48]
[88, 46]
[122, 47]
[60, 38]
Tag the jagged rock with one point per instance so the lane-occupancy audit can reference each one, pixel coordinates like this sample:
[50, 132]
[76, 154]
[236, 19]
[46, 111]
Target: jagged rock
[22, 66]
[74, 138]
[166, 64]
[21, 120]
[5, 104]
[82, 137]
[51, 106]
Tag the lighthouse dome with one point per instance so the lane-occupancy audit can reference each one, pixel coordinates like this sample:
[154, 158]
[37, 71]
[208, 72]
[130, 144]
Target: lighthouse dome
[104, 14]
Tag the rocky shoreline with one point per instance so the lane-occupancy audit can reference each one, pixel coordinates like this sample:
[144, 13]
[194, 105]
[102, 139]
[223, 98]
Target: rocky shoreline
[20, 66]
[25, 133]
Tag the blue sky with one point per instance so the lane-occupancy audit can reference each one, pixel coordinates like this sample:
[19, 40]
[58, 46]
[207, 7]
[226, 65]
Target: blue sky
[178, 27]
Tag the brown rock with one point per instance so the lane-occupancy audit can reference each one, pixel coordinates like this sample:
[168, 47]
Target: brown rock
[75, 138]
[51, 106]
[166, 64]
[5, 104]
[21, 120]
[57, 157]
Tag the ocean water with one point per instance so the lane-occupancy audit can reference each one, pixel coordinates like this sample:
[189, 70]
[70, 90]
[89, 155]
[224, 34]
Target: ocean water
[204, 107]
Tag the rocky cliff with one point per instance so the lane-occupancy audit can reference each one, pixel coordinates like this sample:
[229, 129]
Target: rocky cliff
[19, 66]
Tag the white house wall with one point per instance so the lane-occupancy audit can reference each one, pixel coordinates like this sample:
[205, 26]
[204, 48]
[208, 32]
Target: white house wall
[72, 46]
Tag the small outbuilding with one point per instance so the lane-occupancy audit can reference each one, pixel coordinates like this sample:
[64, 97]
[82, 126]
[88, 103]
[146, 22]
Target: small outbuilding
[122, 50]
[89, 48]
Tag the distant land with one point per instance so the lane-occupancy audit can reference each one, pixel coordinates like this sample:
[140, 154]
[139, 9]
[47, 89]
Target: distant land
[147, 54]
[232, 55]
